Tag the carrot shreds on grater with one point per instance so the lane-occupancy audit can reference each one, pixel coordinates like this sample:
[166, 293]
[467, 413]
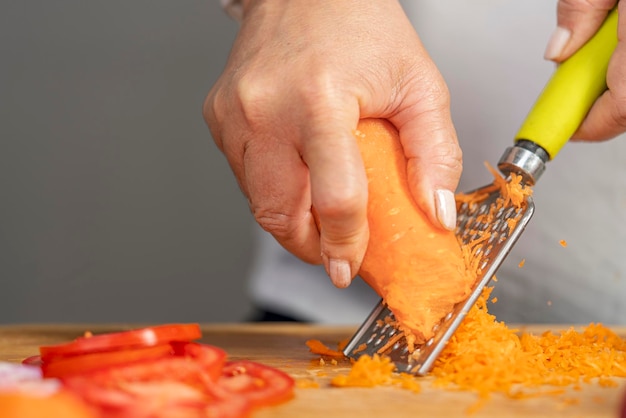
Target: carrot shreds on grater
[555, 116]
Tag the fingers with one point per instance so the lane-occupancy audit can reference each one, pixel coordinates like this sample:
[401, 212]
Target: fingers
[277, 185]
[307, 158]
[607, 116]
[285, 109]
[577, 21]
[338, 191]
[431, 147]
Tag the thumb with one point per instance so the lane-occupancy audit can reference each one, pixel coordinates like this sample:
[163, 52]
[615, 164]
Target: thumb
[434, 157]
[577, 21]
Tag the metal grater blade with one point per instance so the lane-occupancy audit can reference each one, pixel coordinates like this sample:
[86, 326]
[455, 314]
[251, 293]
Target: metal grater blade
[376, 332]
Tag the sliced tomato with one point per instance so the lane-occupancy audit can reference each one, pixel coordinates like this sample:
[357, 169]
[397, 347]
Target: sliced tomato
[180, 385]
[210, 358]
[143, 337]
[163, 399]
[67, 366]
[261, 385]
[192, 363]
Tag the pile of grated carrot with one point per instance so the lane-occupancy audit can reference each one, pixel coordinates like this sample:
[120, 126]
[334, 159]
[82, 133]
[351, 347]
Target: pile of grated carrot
[486, 356]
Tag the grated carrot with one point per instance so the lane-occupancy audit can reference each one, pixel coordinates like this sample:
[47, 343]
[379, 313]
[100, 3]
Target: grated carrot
[563, 243]
[486, 356]
[367, 372]
[318, 347]
[521, 263]
[307, 384]
[376, 371]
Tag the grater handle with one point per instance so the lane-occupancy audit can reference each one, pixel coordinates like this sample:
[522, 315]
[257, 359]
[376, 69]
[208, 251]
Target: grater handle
[571, 91]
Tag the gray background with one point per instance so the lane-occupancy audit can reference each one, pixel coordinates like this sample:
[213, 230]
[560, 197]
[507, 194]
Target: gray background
[115, 204]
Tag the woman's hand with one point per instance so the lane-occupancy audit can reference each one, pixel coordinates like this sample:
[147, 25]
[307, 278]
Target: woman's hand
[300, 76]
[577, 21]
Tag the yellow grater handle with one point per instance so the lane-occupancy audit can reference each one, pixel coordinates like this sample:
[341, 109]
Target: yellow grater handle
[571, 91]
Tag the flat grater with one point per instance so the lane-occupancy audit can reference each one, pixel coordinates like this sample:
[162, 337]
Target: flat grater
[555, 116]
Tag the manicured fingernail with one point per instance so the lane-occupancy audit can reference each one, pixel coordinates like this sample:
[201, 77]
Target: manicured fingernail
[446, 208]
[339, 272]
[557, 42]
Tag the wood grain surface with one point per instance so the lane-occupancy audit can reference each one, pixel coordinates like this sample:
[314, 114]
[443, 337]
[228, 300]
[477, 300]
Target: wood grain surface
[283, 346]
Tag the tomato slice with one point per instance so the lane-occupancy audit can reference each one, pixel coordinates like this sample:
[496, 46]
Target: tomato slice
[143, 337]
[66, 366]
[192, 363]
[261, 385]
[179, 385]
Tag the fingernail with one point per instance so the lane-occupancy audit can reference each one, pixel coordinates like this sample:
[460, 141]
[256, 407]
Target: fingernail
[557, 42]
[339, 272]
[446, 208]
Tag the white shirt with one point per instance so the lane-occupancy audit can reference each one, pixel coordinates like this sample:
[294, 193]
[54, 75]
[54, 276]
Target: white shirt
[490, 53]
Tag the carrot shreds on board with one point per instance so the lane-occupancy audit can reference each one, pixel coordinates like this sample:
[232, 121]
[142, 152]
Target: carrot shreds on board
[318, 347]
[563, 243]
[367, 372]
[486, 356]
[376, 371]
[307, 384]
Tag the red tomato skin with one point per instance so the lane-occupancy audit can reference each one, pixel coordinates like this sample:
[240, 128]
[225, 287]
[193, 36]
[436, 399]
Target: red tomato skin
[142, 337]
[72, 365]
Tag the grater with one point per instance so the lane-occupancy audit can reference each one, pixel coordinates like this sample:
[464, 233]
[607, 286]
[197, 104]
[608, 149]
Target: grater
[555, 116]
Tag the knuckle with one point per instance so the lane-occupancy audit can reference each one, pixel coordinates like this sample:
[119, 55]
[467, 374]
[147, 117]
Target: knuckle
[449, 153]
[340, 205]
[254, 93]
[447, 156]
[321, 92]
[210, 112]
[281, 225]
[620, 109]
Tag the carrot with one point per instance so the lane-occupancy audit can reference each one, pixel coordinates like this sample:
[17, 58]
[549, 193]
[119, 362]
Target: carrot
[375, 371]
[60, 405]
[318, 347]
[486, 356]
[416, 267]
[367, 372]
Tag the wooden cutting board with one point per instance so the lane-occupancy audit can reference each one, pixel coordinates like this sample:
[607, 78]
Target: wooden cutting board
[283, 346]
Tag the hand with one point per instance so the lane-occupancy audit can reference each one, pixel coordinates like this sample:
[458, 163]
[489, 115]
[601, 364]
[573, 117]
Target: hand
[300, 76]
[577, 21]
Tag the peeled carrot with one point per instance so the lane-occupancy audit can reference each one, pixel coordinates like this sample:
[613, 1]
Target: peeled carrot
[416, 267]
